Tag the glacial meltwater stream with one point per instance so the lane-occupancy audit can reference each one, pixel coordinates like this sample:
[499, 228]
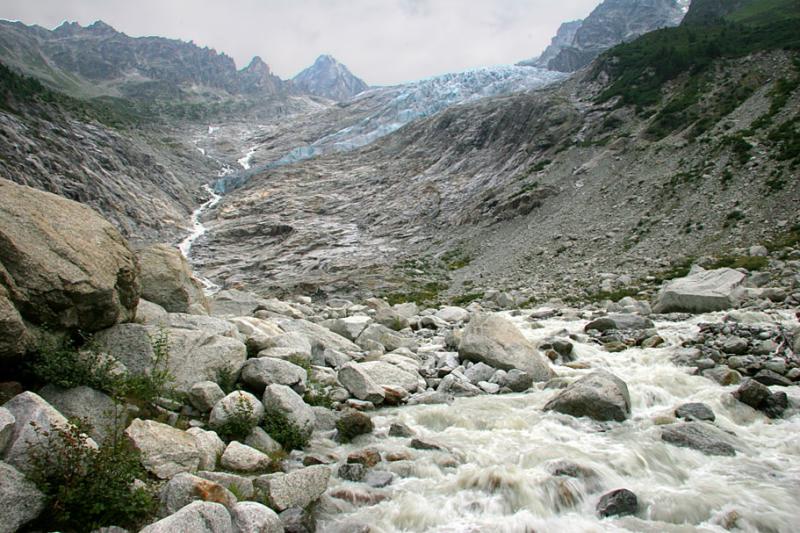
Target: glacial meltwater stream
[497, 474]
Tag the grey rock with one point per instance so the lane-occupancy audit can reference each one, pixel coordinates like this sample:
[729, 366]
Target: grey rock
[517, 380]
[260, 372]
[204, 395]
[385, 374]
[695, 411]
[489, 388]
[479, 372]
[768, 377]
[599, 395]
[149, 313]
[165, 451]
[287, 345]
[453, 315]
[776, 404]
[261, 441]
[389, 339]
[236, 403]
[196, 356]
[6, 429]
[425, 444]
[104, 416]
[185, 488]
[378, 479]
[722, 375]
[352, 471]
[702, 292]
[298, 520]
[699, 436]
[209, 447]
[253, 517]
[735, 346]
[319, 337]
[430, 398]
[349, 327]
[296, 489]
[257, 332]
[457, 384]
[618, 502]
[167, 280]
[398, 429]
[211, 325]
[234, 303]
[197, 517]
[233, 482]
[130, 344]
[285, 400]
[497, 342]
[752, 393]
[353, 423]
[359, 383]
[619, 321]
[20, 500]
[391, 319]
[241, 458]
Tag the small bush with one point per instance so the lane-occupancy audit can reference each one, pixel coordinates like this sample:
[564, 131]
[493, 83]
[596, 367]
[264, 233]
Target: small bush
[239, 423]
[466, 299]
[88, 488]
[226, 379]
[284, 431]
[740, 261]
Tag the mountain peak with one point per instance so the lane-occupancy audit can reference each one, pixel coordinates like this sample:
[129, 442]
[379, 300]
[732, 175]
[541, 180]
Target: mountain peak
[330, 79]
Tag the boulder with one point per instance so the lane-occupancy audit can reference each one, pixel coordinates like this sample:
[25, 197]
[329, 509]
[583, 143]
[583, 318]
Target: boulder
[699, 436]
[618, 502]
[385, 374]
[722, 375]
[209, 324]
[453, 315]
[185, 488]
[235, 404]
[516, 380]
[130, 344]
[209, 447]
[167, 280]
[29, 409]
[61, 265]
[752, 393]
[319, 337]
[391, 340]
[296, 489]
[197, 517]
[204, 395]
[242, 485]
[479, 372]
[359, 383]
[695, 411]
[256, 331]
[600, 395]
[149, 313]
[352, 424]
[351, 472]
[619, 321]
[103, 414]
[253, 517]
[350, 327]
[261, 441]
[287, 401]
[7, 421]
[165, 451]
[701, 292]
[232, 303]
[493, 340]
[391, 318]
[287, 345]
[20, 500]
[241, 458]
[260, 372]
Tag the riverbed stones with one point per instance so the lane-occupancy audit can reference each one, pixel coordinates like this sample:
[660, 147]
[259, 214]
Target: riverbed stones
[283, 399]
[359, 383]
[704, 291]
[253, 517]
[389, 339]
[241, 458]
[618, 502]
[769, 377]
[353, 423]
[699, 436]
[165, 450]
[63, 265]
[295, 489]
[260, 372]
[496, 341]
[723, 375]
[623, 321]
[236, 404]
[167, 280]
[20, 500]
[695, 411]
[185, 488]
[351, 471]
[479, 372]
[758, 396]
[197, 517]
[599, 395]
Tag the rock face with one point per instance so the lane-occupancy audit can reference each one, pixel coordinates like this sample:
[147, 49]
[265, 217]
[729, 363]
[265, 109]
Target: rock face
[701, 292]
[298, 488]
[20, 500]
[601, 395]
[497, 342]
[329, 78]
[166, 451]
[61, 265]
[197, 517]
[167, 280]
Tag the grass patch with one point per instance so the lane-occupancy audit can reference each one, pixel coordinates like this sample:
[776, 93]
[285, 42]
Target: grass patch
[677, 270]
[740, 261]
[614, 296]
[427, 294]
[466, 299]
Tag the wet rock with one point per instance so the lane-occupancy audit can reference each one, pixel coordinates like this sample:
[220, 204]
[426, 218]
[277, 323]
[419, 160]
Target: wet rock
[615, 346]
[495, 341]
[703, 291]
[735, 346]
[618, 502]
[352, 424]
[197, 517]
[359, 496]
[285, 400]
[237, 403]
[253, 517]
[619, 321]
[260, 372]
[599, 395]
[20, 500]
[457, 384]
[359, 383]
[425, 444]
[398, 429]
[368, 457]
[722, 375]
[752, 393]
[489, 388]
[378, 479]
[296, 489]
[298, 520]
[352, 471]
[209, 446]
[699, 436]
[185, 488]
[695, 411]
[204, 395]
[768, 377]
[776, 404]
[516, 380]
[165, 451]
[430, 398]
[394, 395]
[167, 280]
[241, 458]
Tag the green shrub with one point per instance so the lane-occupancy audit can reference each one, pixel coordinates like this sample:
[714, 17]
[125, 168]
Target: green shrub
[145, 389]
[239, 423]
[317, 394]
[88, 488]
[466, 299]
[284, 431]
[740, 261]
[226, 379]
[64, 364]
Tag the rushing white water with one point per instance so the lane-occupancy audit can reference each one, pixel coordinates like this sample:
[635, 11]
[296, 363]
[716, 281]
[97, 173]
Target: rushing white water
[198, 230]
[246, 161]
[496, 477]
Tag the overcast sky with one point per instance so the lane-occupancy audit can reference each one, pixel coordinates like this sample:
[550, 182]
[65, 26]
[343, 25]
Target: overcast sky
[382, 41]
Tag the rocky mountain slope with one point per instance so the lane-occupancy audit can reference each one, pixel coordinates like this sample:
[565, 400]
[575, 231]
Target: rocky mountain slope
[612, 174]
[577, 43]
[330, 79]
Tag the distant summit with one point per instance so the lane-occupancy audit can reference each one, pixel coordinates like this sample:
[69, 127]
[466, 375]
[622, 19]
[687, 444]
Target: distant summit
[330, 79]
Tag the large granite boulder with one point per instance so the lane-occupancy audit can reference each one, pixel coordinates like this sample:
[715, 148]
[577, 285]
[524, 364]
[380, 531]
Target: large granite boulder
[253, 517]
[20, 500]
[197, 517]
[186, 488]
[600, 395]
[703, 291]
[61, 266]
[700, 436]
[283, 399]
[99, 409]
[495, 341]
[385, 374]
[237, 403]
[167, 280]
[165, 450]
[358, 382]
[260, 372]
[296, 489]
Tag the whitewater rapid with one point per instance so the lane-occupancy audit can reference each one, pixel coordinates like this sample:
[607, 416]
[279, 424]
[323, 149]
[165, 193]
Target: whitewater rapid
[496, 476]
